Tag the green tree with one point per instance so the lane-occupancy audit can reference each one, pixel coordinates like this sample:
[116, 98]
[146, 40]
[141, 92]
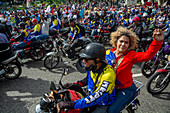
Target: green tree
[50, 1]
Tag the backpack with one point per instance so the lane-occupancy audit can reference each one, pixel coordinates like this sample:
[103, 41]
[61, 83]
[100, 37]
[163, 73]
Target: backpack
[82, 29]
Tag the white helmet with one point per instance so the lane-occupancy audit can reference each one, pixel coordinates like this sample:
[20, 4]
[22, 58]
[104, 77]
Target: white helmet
[145, 14]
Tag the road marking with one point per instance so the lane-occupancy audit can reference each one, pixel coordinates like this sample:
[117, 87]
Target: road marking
[137, 75]
[17, 93]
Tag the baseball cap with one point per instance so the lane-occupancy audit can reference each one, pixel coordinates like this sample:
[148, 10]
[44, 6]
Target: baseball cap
[136, 19]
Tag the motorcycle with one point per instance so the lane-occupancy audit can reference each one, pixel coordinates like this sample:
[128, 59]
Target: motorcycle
[60, 93]
[102, 36]
[11, 68]
[149, 67]
[34, 51]
[52, 58]
[49, 101]
[159, 80]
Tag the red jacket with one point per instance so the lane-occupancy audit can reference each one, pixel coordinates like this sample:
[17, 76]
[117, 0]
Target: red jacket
[123, 73]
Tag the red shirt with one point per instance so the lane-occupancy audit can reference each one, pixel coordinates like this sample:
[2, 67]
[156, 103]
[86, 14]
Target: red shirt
[123, 73]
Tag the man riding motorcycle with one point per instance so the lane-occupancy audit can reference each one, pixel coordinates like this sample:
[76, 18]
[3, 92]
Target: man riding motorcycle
[24, 38]
[76, 39]
[37, 28]
[100, 81]
[55, 23]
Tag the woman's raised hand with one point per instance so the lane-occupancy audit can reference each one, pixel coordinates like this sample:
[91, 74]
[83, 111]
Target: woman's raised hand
[158, 34]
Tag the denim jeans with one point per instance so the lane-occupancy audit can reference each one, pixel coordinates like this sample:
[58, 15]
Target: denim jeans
[39, 37]
[123, 97]
[21, 45]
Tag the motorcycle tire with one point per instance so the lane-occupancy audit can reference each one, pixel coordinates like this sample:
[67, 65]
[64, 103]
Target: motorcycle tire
[157, 78]
[48, 45]
[37, 54]
[146, 69]
[128, 110]
[51, 61]
[10, 71]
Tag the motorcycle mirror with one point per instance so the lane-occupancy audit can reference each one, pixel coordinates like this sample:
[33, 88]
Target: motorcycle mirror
[80, 66]
[52, 86]
[65, 71]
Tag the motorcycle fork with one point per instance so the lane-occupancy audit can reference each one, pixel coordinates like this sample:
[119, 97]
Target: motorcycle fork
[157, 57]
[167, 76]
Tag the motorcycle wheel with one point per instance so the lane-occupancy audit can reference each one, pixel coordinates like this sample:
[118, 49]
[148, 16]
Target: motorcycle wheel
[12, 71]
[146, 67]
[51, 61]
[48, 45]
[128, 110]
[37, 54]
[154, 85]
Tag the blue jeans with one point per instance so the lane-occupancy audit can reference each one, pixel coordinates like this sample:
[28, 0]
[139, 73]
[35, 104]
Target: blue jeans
[21, 45]
[39, 37]
[123, 97]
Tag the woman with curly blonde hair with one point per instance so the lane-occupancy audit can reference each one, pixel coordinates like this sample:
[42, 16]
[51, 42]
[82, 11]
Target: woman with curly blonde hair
[122, 57]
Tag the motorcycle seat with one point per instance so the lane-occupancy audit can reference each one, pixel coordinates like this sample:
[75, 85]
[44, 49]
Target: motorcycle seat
[34, 43]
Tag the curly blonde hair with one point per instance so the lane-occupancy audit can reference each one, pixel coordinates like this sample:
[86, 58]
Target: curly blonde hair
[124, 31]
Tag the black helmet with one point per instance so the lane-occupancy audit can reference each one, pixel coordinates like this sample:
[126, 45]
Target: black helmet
[22, 24]
[24, 18]
[94, 50]
[52, 17]
[72, 20]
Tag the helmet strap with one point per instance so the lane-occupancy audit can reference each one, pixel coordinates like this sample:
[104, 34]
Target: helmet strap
[92, 66]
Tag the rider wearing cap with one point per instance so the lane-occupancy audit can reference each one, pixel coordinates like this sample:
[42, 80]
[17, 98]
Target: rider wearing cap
[100, 80]
[37, 28]
[136, 27]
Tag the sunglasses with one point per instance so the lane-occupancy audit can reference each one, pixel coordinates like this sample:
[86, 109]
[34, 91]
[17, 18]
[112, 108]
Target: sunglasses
[87, 59]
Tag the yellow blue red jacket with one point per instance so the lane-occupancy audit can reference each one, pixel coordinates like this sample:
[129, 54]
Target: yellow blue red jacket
[37, 30]
[24, 36]
[103, 93]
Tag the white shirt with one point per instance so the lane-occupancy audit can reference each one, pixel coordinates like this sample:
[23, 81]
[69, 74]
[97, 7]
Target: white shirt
[45, 28]
[70, 13]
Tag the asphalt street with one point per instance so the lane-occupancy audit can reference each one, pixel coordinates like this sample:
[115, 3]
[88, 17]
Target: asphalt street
[23, 94]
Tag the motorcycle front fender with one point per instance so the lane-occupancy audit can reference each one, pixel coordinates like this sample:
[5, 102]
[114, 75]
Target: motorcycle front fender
[162, 70]
[51, 53]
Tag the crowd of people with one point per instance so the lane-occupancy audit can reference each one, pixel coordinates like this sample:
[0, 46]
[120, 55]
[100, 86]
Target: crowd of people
[114, 87]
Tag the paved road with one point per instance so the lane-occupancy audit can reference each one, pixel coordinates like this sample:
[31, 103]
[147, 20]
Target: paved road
[23, 94]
